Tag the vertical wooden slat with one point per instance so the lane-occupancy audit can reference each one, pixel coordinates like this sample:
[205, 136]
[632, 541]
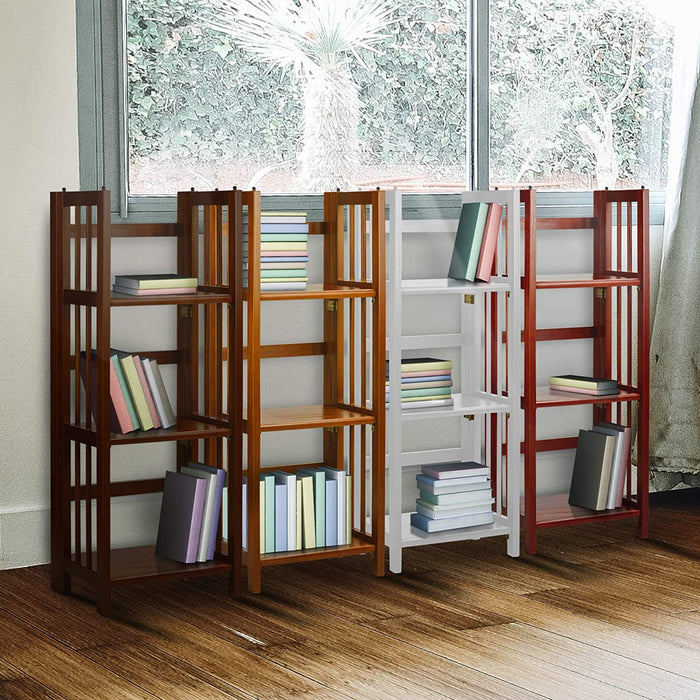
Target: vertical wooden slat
[618, 295]
[629, 268]
[88, 371]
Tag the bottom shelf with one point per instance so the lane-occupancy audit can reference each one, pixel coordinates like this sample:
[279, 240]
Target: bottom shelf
[555, 511]
[133, 564]
[413, 537]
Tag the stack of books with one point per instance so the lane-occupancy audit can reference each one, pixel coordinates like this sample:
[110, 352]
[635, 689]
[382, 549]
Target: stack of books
[284, 253]
[138, 398]
[600, 466]
[475, 243]
[578, 384]
[302, 510]
[425, 382]
[453, 495]
[189, 513]
[154, 285]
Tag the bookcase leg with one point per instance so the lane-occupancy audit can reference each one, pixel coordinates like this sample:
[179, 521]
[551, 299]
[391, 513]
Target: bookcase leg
[104, 601]
[60, 581]
[531, 540]
[254, 579]
[643, 528]
[513, 547]
[395, 560]
[235, 585]
[378, 565]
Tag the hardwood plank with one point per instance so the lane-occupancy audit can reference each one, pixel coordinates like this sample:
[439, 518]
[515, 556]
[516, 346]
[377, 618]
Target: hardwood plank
[15, 685]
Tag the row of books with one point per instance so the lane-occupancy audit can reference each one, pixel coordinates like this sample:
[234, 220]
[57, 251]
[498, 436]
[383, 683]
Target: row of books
[303, 510]
[425, 382]
[189, 513]
[154, 284]
[475, 243]
[284, 253]
[453, 495]
[578, 384]
[600, 466]
[138, 397]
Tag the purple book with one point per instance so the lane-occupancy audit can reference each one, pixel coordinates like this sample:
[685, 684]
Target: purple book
[180, 517]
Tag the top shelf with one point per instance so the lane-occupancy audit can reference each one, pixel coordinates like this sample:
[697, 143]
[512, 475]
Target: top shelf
[448, 285]
[580, 280]
[316, 291]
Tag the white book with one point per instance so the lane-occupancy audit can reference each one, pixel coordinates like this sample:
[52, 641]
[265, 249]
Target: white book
[160, 395]
[290, 481]
[339, 476]
[208, 510]
[618, 458]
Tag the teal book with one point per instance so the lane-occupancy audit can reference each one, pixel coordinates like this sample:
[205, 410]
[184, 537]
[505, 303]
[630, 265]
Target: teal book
[283, 273]
[464, 497]
[319, 478]
[470, 231]
[435, 391]
[269, 481]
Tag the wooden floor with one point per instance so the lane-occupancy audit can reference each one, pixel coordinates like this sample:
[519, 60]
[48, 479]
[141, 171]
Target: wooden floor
[596, 614]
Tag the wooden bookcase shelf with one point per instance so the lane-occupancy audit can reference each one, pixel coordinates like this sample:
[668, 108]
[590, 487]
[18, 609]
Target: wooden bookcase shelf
[83, 478]
[353, 356]
[489, 317]
[619, 284]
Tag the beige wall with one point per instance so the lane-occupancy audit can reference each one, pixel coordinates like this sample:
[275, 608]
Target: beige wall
[38, 153]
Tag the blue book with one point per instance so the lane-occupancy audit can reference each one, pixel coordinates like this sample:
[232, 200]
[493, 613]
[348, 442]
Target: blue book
[319, 478]
[433, 378]
[216, 506]
[428, 525]
[331, 512]
[280, 517]
[289, 480]
[283, 228]
[339, 476]
[269, 481]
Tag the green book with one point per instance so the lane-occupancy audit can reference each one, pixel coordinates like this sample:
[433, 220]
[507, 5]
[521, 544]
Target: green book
[470, 231]
[424, 364]
[125, 391]
[134, 383]
[465, 497]
[430, 396]
[307, 510]
[269, 480]
[319, 480]
[283, 273]
[433, 391]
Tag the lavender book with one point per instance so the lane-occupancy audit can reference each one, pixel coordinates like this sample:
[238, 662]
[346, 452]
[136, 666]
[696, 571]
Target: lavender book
[180, 517]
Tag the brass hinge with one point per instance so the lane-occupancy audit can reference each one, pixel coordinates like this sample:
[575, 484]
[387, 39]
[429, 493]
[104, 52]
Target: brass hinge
[468, 298]
[600, 293]
[331, 304]
[185, 311]
[469, 416]
[332, 429]
[599, 405]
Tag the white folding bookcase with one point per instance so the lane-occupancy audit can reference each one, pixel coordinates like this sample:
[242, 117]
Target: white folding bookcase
[487, 381]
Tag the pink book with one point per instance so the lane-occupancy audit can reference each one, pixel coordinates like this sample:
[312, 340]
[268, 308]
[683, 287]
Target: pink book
[583, 390]
[119, 418]
[488, 242]
[427, 373]
[147, 391]
[131, 291]
[118, 402]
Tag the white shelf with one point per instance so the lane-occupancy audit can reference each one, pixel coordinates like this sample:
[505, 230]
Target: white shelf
[451, 286]
[413, 537]
[463, 403]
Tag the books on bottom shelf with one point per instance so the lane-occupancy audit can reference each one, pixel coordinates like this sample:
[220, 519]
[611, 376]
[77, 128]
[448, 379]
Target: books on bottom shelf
[600, 466]
[425, 382]
[453, 495]
[305, 509]
[154, 284]
[138, 397]
[189, 513]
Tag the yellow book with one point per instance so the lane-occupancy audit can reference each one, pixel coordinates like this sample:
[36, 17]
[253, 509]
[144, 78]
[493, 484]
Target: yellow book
[348, 510]
[262, 517]
[308, 511]
[283, 245]
[136, 391]
[298, 515]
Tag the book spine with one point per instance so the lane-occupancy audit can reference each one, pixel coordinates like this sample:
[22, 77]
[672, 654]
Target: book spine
[138, 366]
[167, 419]
[133, 418]
[139, 398]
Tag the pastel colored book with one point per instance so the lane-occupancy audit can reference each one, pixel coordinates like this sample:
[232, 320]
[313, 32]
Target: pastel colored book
[138, 366]
[263, 516]
[281, 542]
[119, 372]
[267, 227]
[282, 266]
[308, 511]
[583, 390]
[434, 403]
[290, 482]
[299, 518]
[282, 258]
[331, 519]
[132, 291]
[180, 517]
[136, 391]
[155, 281]
[424, 364]
[268, 237]
[216, 506]
[269, 481]
[438, 486]
[430, 396]
[428, 525]
[408, 386]
[280, 216]
[160, 394]
[319, 482]
[433, 392]
[441, 373]
[407, 381]
[280, 278]
[488, 242]
[461, 497]
[348, 509]
[467, 245]
[453, 470]
[430, 510]
[622, 436]
[282, 286]
[593, 462]
[210, 496]
[339, 476]
[283, 272]
[583, 382]
[286, 246]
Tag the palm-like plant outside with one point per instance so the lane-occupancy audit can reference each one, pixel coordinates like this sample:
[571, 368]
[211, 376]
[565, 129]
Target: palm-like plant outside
[318, 40]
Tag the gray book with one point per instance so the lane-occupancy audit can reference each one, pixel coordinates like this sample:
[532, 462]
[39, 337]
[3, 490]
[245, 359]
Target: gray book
[160, 395]
[180, 517]
[592, 468]
[470, 231]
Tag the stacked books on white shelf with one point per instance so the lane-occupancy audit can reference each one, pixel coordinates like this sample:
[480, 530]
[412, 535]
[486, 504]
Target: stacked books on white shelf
[600, 466]
[453, 495]
[425, 382]
[189, 513]
[579, 384]
[138, 397]
[154, 285]
[284, 253]
[475, 243]
[304, 509]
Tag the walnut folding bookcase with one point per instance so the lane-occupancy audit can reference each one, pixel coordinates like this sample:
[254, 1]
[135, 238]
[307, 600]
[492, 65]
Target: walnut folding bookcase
[84, 478]
[619, 284]
[351, 299]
